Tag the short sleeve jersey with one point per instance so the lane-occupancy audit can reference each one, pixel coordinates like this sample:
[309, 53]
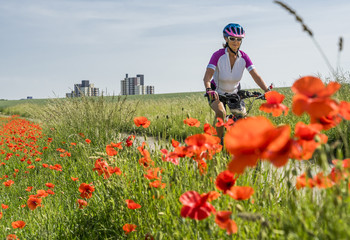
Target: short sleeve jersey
[226, 78]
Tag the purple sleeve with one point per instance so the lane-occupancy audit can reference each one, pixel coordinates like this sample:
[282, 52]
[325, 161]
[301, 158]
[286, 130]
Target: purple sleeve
[248, 63]
[215, 58]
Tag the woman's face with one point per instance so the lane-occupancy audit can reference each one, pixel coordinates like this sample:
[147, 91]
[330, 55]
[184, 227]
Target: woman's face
[233, 42]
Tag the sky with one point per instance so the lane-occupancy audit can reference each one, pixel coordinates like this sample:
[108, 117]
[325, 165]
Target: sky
[47, 46]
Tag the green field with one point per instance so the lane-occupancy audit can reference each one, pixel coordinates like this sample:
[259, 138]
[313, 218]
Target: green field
[277, 210]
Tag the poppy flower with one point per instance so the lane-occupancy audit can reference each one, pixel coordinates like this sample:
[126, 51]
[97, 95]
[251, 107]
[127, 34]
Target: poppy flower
[240, 193]
[110, 149]
[322, 181]
[128, 228]
[88, 141]
[18, 224]
[344, 110]
[192, 122]
[8, 183]
[1, 215]
[152, 173]
[225, 181]
[328, 121]
[213, 195]
[82, 203]
[132, 205]
[49, 185]
[200, 144]
[142, 121]
[3, 206]
[86, 190]
[33, 202]
[313, 97]
[12, 237]
[224, 221]
[41, 193]
[253, 138]
[129, 141]
[74, 178]
[209, 129]
[170, 156]
[274, 104]
[174, 143]
[157, 184]
[49, 191]
[195, 205]
[227, 124]
[303, 181]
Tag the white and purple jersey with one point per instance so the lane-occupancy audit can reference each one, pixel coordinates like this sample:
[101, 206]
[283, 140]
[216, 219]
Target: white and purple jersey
[226, 78]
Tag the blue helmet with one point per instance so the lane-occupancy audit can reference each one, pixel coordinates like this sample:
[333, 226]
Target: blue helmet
[234, 30]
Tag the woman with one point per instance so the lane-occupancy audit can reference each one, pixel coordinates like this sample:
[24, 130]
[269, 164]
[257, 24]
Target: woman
[226, 67]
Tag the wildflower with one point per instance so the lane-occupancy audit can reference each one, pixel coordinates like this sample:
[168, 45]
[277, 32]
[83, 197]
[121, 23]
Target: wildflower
[313, 97]
[152, 173]
[209, 129]
[110, 149]
[12, 237]
[1, 215]
[129, 141]
[86, 190]
[157, 184]
[3, 206]
[195, 205]
[223, 220]
[202, 145]
[303, 181]
[128, 228]
[49, 185]
[82, 203]
[18, 224]
[74, 179]
[132, 205]
[213, 195]
[227, 124]
[169, 156]
[88, 141]
[192, 122]
[34, 202]
[8, 183]
[225, 181]
[174, 143]
[142, 121]
[240, 193]
[274, 104]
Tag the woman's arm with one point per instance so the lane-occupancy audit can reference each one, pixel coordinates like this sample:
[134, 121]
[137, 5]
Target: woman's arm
[207, 77]
[258, 80]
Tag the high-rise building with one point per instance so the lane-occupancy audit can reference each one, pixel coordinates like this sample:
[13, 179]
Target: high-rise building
[84, 89]
[135, 86]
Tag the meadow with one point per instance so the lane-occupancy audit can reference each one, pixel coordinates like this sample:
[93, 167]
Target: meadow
[90, 168]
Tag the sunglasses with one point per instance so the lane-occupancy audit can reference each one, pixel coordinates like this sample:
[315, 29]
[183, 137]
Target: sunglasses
[234, 39]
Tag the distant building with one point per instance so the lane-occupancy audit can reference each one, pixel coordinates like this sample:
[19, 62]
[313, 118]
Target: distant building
[135, 86]
[29, 97]
[84, 89]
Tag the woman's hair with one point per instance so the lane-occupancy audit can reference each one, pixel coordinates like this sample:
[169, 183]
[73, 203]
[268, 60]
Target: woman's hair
[225, 45]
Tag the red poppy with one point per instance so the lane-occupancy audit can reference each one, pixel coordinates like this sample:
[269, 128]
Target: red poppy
[18, 224]
[227, 124]
[142, 121]
[170, 156]
[12, 237]
[8, 183]
[132, 205]
[174, 143]
[225, 181]
[303, 181]
[49, 191]
[128, 228]
[33, 203]
[223, 220]
[313, 97]
[74, 178]
[202, 146]
[110, 149]
[88, 141]
[192, 122]
[195, 205]
[209, 129]
[86, 190]
[49, 185]
[213, 195]
[322, 181]
[274, 104]
[344, 110]
[328, 121]
[129, 141]
[157, 184]
[1, 215]
[152, 173]
[82, 203]
[3, 206]
[240, 193]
